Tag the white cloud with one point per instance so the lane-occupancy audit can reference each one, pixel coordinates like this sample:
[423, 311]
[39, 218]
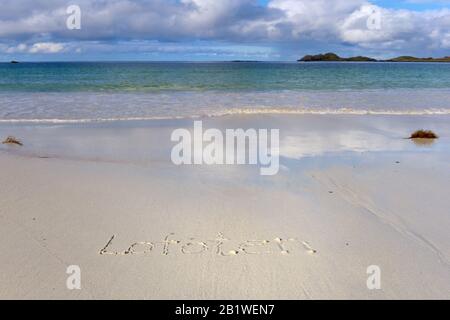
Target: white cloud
[14, 49]
[46, 47]
[42, 24]
[347, 22]
[315, 18]
[40, 47]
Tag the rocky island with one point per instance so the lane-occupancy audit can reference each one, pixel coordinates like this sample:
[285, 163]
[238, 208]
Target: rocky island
[334, 57]
[414, 59]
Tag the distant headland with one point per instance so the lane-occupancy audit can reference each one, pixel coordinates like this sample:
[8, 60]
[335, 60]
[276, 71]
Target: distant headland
[334, 57]
[245, 61]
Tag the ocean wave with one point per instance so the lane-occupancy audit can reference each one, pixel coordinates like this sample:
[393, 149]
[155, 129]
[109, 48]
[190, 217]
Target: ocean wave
[242, 111]
[340, 111]
[68, 121]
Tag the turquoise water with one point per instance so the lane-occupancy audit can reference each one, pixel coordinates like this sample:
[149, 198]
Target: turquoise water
[148, 77]
[123, 90]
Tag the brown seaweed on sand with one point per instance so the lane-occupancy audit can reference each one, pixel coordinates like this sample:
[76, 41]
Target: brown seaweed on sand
[423, 134]
[12, 140]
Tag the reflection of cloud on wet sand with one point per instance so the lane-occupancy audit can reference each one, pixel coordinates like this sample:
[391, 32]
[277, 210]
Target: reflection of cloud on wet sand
[315, 143]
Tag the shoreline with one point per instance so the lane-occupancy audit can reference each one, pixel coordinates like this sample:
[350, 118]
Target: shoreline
[318, 133]
[236, 112]
[74, 107]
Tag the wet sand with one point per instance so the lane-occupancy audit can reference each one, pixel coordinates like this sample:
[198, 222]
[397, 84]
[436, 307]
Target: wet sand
[351, 193]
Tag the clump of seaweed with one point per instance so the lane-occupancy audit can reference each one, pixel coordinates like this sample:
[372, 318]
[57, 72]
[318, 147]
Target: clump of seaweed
[12, 140]
[423, 134]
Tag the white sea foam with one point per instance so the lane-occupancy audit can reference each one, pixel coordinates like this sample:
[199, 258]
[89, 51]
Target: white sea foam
[327, 111]
[243, 111]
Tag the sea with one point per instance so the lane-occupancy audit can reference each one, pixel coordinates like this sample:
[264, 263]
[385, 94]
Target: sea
[113, 91]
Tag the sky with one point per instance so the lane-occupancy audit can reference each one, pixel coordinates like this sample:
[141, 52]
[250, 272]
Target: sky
[218, 30]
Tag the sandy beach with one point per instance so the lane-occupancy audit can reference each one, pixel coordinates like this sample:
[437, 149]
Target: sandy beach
[351, 193]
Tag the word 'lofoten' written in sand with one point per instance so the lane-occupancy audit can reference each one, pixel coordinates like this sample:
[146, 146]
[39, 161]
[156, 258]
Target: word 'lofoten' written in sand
[220, 246]
[236, 146]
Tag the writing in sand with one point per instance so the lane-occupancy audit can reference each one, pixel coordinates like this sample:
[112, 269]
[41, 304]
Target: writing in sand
[220, 246]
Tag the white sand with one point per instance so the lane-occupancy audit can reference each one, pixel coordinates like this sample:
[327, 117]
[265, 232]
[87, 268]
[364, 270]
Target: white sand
[62, 210]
